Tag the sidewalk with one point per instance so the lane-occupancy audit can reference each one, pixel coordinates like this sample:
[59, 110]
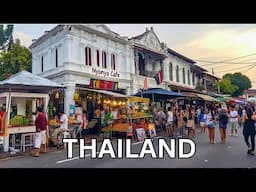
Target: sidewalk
[8, 155]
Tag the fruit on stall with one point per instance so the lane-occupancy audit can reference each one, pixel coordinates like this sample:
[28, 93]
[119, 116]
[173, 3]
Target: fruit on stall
[19, 120]
[120, 127]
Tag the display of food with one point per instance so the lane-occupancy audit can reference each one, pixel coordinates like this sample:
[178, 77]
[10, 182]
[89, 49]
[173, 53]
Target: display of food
[120, 127]
[19, 120]
[54, 122]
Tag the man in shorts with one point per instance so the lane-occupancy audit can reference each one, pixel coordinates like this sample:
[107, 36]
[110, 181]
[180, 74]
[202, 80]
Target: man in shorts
[40, 136]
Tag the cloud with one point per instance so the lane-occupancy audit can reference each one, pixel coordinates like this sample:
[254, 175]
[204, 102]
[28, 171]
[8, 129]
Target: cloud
[223, 43]
[25, 39]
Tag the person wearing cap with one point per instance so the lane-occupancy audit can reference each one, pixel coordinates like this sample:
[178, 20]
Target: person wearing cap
[40, 136]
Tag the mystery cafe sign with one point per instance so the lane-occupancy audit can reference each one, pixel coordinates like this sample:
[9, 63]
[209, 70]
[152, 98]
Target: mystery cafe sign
[103, 73]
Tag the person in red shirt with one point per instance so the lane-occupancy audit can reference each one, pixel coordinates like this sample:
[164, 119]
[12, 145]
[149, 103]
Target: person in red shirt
[40, 136]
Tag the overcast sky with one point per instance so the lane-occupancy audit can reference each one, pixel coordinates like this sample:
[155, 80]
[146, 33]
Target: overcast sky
[209, 42]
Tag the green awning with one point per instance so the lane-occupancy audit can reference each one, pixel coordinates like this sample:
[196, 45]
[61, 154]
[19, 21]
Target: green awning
[222, 99]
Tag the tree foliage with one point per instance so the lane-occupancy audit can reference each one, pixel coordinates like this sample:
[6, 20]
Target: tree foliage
[239, 80]
[6, 37]
[16, 59]
[226, 87]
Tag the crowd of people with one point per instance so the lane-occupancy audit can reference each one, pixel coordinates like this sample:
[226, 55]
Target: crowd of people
[175, 121]
[183, 122]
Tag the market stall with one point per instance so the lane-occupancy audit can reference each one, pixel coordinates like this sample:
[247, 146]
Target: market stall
[135, 122]
[104, 109]
[20, 95]
[140, 118]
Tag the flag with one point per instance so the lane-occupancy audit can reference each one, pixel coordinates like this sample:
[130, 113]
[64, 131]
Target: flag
[159, 77]
[145, 84]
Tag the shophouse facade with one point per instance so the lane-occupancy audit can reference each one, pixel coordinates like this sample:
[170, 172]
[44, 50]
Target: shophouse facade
[78, 55]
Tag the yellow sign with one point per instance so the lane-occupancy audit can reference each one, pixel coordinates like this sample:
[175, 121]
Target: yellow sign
[138, 99]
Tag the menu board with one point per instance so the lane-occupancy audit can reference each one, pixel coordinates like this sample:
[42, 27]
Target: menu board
[141, 134]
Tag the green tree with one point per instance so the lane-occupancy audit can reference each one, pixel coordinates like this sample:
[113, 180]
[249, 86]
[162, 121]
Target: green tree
[16, 59]
[241, 81]
[226, 87]
[6, 36]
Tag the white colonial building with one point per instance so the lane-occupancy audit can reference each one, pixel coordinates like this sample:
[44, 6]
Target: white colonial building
[151, 56]
[76, 55]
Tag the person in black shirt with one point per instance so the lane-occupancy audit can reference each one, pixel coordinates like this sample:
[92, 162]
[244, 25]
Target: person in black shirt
[223, 120]
[249, 130]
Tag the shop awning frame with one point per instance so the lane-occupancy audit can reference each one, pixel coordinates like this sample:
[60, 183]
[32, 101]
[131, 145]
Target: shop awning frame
[113, 94]
[159, 94]
[207, 97]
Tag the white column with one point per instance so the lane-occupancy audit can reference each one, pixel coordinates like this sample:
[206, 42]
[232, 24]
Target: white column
[34, 105]
[69, 93]
[109, 60]
[46, 102]
[68, 49]
[165, 70]
[128, 91]
[136, 63]
[130, 62]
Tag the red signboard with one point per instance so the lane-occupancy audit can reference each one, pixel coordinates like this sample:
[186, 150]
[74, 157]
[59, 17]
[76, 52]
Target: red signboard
[103, 84]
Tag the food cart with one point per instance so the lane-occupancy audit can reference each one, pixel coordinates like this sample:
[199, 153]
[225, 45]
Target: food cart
[140, 118]
[20, 95]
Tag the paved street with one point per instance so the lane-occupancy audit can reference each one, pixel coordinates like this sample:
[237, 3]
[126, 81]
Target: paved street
[233, 154]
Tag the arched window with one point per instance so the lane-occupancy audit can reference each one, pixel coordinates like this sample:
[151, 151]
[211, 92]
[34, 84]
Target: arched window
[104, 60]
[184, 75]
[98, 58]
[113, 61]
[193, 79]
[170, 72]
[177, 74]
[42, 64]
[88, 57]
[188, 77]
[56, 57]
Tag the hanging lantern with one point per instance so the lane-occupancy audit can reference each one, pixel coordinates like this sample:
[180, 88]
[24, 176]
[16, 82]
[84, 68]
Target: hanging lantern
[57, 95]
[76, 96]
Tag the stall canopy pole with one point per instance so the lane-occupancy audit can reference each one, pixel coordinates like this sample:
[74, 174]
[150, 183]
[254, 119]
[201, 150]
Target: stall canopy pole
[46, 102]
[8, 108]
